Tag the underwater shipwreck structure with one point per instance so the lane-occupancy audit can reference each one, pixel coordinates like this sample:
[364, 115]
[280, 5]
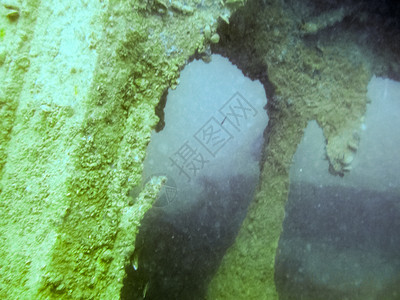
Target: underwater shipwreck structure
[84, 83]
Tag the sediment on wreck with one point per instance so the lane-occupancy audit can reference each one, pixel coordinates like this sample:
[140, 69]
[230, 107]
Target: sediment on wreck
[80, 90]
[314, 65]
[80, 83]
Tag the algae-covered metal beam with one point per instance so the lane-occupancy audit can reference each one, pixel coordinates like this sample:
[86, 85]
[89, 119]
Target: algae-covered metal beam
[323, 76]
[79, 85]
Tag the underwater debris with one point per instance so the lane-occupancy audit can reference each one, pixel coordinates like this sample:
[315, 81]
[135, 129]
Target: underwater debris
[207, 32]
[23, 62]
[225, 18]
[325, 20]
[214, 38]
[3, 56]
[182, 8]
[12, 11]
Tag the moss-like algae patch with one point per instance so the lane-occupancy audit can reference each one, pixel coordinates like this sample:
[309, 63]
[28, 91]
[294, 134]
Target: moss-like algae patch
[93, 242]
[69, 159]
[320, 74]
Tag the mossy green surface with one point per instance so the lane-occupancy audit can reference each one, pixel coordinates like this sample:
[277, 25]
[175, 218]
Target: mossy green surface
[305, 79]
[247, 270]
[15, 217]
[74, 133]
[72, 146]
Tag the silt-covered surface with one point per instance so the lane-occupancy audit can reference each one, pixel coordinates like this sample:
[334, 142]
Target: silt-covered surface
[79, 86]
